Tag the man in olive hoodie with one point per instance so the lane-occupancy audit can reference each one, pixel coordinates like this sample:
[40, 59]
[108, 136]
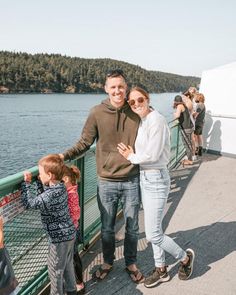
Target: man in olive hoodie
[110, 123]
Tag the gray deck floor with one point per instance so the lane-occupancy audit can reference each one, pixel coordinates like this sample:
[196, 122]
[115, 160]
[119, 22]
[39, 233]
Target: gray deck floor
[201, 214]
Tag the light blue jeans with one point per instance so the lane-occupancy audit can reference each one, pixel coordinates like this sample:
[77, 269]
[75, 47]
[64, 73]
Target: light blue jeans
[155, 186]
[110, 193]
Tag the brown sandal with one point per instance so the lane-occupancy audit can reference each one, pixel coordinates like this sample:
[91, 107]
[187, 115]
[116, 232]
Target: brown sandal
[102, 273]
[135, 275]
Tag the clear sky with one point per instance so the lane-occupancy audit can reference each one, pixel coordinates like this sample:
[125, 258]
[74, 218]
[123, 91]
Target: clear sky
[176, 36]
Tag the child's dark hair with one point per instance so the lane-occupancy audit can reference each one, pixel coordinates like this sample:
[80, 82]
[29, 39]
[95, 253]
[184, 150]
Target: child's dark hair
[73, 173]
[54, 164]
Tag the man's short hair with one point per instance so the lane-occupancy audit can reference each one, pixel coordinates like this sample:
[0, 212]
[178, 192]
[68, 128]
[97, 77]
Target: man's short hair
[115, 73]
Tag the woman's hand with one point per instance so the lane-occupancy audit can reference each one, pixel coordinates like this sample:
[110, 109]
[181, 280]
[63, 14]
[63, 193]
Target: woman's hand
[124, 150]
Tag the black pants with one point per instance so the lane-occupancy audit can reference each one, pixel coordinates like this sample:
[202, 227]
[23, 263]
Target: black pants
[77, 260]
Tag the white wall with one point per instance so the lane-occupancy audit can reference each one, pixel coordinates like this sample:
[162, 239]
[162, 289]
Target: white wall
[219, 134]
[219, 88]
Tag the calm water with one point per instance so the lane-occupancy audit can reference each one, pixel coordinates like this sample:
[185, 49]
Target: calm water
[35, 125]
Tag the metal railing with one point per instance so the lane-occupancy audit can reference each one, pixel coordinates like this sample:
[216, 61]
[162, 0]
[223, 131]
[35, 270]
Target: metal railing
[24, 236]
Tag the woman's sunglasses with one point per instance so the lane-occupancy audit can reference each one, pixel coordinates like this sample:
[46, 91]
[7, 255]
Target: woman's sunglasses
[139, 100]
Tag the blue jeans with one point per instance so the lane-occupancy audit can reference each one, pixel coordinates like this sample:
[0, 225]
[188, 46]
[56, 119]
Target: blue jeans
[16, 291]
[187, 142]
[61, 268]
[109, 195]
[155, 186]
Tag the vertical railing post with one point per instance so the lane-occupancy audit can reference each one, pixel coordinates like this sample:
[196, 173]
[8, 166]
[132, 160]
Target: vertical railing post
[177, 147]
[81, 164]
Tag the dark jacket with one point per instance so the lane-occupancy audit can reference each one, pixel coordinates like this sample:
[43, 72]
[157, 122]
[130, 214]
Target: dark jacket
[201, 111]
[53, 206]
[8, 282]
[109, 126]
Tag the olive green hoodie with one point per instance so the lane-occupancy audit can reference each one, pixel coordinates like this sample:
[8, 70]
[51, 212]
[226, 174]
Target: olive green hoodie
[109, 126]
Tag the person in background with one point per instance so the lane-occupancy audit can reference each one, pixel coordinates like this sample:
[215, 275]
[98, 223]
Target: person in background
[182, 114]
[199, 116]
[152, 153]
[192, 91]
[70, 177]
[118, 180]
[52, 201]
[8, 282]
[188, 99]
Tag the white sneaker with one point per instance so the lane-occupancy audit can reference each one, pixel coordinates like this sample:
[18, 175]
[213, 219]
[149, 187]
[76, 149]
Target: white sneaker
[194, 158]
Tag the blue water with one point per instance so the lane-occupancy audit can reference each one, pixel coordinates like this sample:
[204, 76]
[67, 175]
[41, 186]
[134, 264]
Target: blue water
[35, 125]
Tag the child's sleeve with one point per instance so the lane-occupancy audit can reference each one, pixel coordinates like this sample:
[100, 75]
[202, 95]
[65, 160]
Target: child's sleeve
[30, 201]
[39, 187]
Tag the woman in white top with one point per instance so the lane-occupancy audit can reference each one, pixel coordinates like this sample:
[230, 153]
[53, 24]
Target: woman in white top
[152, 150]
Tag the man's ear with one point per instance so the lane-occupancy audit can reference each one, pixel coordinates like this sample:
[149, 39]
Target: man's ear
[105, 88]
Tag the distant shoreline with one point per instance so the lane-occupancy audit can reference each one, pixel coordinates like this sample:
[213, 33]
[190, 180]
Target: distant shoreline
[23, 73]
[56, 93]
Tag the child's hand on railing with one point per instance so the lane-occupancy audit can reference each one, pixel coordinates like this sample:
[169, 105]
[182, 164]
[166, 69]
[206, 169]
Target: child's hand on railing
[27, 176]
[61, 156]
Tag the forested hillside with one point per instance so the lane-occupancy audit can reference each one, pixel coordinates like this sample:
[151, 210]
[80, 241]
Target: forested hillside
[46, 73]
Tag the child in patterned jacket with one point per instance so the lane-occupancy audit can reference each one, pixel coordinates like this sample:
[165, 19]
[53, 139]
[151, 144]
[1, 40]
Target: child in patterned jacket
[52, 201]
[70, 177]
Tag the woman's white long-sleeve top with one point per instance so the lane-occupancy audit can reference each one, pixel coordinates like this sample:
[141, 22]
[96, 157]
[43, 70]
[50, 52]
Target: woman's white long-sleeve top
[152, 145]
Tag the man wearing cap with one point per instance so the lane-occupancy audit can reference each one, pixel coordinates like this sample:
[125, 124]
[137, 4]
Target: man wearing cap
[110, 123]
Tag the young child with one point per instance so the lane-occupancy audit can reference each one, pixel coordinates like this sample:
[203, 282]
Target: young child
[53, 206]
[8, 282]
[70, 177]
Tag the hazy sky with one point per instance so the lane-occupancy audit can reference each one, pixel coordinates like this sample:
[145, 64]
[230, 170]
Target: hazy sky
[177, 36]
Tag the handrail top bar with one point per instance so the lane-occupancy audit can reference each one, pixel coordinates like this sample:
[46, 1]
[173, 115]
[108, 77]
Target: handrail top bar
[16, 178]
[172, 121]
[222, 116]
[19, 176]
